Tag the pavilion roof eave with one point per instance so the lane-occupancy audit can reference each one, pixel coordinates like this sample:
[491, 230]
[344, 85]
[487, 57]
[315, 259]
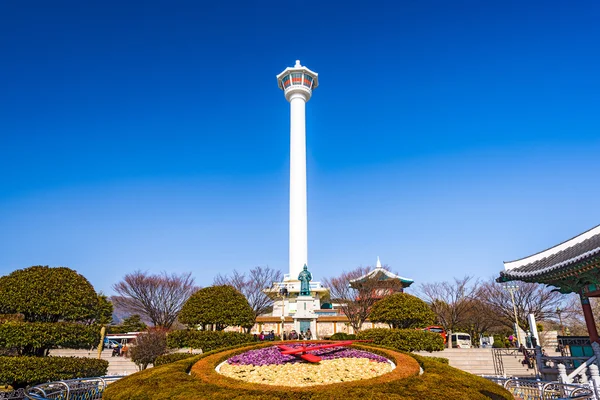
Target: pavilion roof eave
[545, 254]
[569, 279]
[553, 269]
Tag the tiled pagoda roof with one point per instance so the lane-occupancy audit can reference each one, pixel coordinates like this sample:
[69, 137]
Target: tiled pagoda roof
[556, 262]
[381, 273]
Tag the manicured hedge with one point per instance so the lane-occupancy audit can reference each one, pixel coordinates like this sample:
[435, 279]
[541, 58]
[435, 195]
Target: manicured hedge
[206, 340]
[404, 339]
[172, 381]
[169, 358]
[342, 336]
[23, 371]
[27, 337]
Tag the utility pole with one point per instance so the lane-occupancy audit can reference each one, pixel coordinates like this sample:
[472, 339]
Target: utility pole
[511, 288]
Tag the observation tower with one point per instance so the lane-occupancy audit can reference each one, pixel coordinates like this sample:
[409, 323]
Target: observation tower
[297, 83]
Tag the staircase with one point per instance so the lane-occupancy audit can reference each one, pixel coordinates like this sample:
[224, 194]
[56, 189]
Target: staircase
[481, 361]
[116, 366]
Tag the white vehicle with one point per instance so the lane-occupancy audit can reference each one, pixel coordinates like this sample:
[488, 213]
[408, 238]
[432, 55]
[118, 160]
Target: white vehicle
[461, 340]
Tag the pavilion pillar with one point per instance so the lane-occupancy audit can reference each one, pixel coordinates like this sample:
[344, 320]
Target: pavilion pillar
[589, 318]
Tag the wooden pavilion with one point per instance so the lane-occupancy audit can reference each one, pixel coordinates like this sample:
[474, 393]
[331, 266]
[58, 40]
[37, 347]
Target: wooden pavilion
[380, 282]
[572, 266]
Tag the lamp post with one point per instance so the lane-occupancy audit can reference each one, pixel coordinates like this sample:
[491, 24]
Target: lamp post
[562, 329]
[283, 292]
[511, 288]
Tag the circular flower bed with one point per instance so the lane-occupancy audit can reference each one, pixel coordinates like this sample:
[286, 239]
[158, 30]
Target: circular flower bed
[195, 378]
[338, 364]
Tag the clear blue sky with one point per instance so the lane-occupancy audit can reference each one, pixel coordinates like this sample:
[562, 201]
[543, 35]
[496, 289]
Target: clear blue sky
[445, 137]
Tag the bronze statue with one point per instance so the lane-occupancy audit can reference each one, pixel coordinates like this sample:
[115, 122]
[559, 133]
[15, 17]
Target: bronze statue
[305, 277]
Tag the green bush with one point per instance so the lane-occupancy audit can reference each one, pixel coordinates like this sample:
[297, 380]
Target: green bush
[220, 306]
[23, 371]
[404, 339]
[46, 294]
[500, 342]
[206, 340]
[34, 338]
[402, 311]
[169, 358]
[173, 381]
[342, 336]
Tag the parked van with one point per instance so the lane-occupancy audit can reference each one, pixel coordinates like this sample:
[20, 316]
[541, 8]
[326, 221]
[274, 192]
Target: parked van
[461, 340]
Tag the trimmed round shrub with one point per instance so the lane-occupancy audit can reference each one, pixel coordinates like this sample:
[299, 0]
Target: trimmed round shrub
[342, 336]
[402, 311]
[33, 338]
[220, 306]
[46, 294]
[169, 358]
[173, 381]
[20, 372]
[206, 340]
[404, 339]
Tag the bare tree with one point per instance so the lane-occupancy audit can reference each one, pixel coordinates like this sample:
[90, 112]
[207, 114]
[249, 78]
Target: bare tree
[252, 286]
[356, 301]
[530, 298]
[451, 301]
[156, 297]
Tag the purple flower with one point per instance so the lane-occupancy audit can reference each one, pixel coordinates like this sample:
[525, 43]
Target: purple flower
[272, 355]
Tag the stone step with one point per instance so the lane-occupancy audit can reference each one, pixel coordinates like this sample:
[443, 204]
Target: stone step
[116, 365]
[480, 361]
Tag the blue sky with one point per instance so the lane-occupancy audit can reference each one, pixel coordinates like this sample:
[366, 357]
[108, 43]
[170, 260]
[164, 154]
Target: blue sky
[445, 137]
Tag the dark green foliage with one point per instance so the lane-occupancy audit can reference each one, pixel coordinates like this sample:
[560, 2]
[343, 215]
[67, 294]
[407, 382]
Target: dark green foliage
[402, 310]
[23, 371]
[169, 358]
[35, 338]
[206, 340]
[44, 294]
[11, 318]
[148, 346]
[132, 323]
[404, 339]
[500, 341]
[438, 382]
[103, 312]
[221, 306]
[342, 336]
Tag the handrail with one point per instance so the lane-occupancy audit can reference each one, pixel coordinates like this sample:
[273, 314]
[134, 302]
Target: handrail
[581, 368]
[537, 389]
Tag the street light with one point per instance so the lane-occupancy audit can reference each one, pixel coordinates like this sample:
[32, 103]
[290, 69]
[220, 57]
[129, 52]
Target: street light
[511, 288]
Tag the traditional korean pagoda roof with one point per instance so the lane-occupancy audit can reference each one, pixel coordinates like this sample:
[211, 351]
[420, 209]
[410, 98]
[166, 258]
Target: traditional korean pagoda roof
[570, 265]
[381, 274]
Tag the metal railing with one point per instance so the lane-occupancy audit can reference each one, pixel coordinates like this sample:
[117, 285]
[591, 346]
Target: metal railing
[544, 390]
[18, 394]
[73, 389]
[497, 356]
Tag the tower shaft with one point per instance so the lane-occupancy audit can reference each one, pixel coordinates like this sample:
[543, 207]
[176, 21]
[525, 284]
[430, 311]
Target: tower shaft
[298, 212]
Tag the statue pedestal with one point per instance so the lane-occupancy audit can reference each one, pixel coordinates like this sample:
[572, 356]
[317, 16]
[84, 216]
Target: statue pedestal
[305, 317]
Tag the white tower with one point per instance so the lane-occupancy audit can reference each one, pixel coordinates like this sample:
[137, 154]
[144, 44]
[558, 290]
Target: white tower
[297, 83]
